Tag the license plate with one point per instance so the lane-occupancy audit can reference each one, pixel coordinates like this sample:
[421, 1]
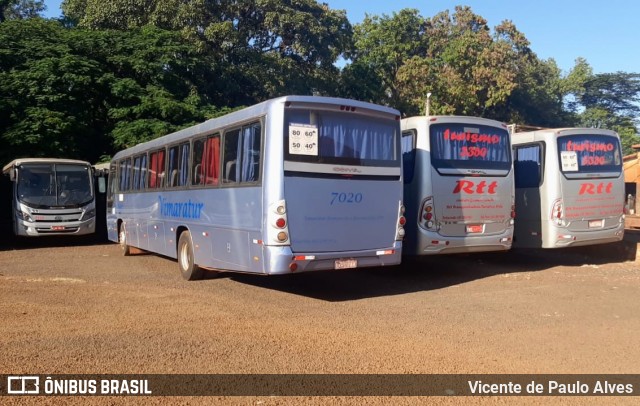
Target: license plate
[57, 228]
[346, 263]
[474, 228]
[595, 223]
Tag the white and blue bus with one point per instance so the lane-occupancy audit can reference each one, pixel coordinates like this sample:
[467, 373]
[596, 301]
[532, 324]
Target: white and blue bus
[459, 188]
[297, 183]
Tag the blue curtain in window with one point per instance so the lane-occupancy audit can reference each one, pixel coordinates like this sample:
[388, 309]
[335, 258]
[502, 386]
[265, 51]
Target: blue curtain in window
[350, 137]
[248, 154]
[143, 172]
[184, 165]
[123, 175]
[172, 161]
[531, 153]
[136, 173]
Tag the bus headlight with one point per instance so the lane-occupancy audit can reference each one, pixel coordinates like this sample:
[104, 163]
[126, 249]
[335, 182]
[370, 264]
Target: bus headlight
[89, 214]
[23, 215]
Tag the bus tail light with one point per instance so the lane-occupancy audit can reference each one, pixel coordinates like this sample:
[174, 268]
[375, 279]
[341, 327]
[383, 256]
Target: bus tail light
[401, 222]
[427, 217]
[513, 213]
[278, 230]
[557, 211]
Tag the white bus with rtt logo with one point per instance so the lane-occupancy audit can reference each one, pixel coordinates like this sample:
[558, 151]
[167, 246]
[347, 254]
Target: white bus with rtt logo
[458, 192]
[569, 187]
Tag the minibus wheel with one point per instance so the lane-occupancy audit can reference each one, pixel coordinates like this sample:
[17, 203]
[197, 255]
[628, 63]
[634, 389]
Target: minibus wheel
[190, 271]
[122, 240]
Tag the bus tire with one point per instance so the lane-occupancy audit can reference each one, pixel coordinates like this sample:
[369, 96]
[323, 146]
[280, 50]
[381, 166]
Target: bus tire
[186, 260]
[122, 240]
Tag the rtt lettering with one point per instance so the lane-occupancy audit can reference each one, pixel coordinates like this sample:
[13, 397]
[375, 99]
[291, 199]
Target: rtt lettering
[471, 188]
[589, 188]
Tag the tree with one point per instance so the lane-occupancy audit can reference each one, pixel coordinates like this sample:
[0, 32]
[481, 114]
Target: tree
[466, 69]
[84, 94]
[263, 48]
[382, 45]
[607, 100]
[20, 9]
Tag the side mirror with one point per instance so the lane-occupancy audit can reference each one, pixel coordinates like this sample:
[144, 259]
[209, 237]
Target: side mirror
[12, 174]
[102, 184]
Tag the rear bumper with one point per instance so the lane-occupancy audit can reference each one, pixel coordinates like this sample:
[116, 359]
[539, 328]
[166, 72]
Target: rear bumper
[566, 238]
[434, 243]
[281, 260]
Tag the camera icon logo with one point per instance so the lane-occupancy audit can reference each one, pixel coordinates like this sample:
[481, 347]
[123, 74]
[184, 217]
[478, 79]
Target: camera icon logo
[23, 385]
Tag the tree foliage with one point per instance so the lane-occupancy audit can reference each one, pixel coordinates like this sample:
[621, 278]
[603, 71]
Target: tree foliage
[454, 57]
[78, 93]
[382, 46]
[111, 74]
[20, 9]
[264, 48]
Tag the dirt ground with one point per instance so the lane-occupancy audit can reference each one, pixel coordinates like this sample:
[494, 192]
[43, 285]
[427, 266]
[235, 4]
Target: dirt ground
[71, 307]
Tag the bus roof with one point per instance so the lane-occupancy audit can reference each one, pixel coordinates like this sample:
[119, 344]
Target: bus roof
[559, 131]
[246, 114]
[525, 137]
[446, 118]
[21, 161]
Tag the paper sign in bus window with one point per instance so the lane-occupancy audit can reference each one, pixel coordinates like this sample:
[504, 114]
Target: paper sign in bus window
[569, 161]
[303, 139]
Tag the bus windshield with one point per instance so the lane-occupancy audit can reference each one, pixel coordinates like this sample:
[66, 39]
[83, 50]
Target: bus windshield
[469, 146]
[54, 185]
[324, 137]
[589, 153]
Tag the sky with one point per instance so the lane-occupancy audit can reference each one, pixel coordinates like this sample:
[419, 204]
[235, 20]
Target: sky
[605, 33]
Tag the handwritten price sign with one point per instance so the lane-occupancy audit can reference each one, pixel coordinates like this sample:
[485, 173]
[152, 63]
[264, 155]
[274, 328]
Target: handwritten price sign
[303, 139]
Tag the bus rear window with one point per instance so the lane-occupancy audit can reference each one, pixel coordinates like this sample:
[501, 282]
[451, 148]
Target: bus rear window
[341, 138]
[589, 153]
[469, 146]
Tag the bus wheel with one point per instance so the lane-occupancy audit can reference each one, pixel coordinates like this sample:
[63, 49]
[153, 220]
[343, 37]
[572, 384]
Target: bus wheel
[122, 239]
[190, 271]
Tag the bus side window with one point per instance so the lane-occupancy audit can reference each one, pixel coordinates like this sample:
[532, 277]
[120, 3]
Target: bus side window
[125, 174]
[242, 151]
[211, 165]
[156, 169]
[183, 168]
[139, 172]
[230, 155]
[249, 147]
[408, 155]
[527, 166]
[199, 156]
[178, 165]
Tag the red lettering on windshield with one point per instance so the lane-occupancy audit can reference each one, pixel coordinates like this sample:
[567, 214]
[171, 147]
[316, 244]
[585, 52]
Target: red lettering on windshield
[590, 146]
[472, 145]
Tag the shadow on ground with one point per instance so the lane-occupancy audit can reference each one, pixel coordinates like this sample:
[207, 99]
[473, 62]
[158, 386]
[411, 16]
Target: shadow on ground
[435, 272]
